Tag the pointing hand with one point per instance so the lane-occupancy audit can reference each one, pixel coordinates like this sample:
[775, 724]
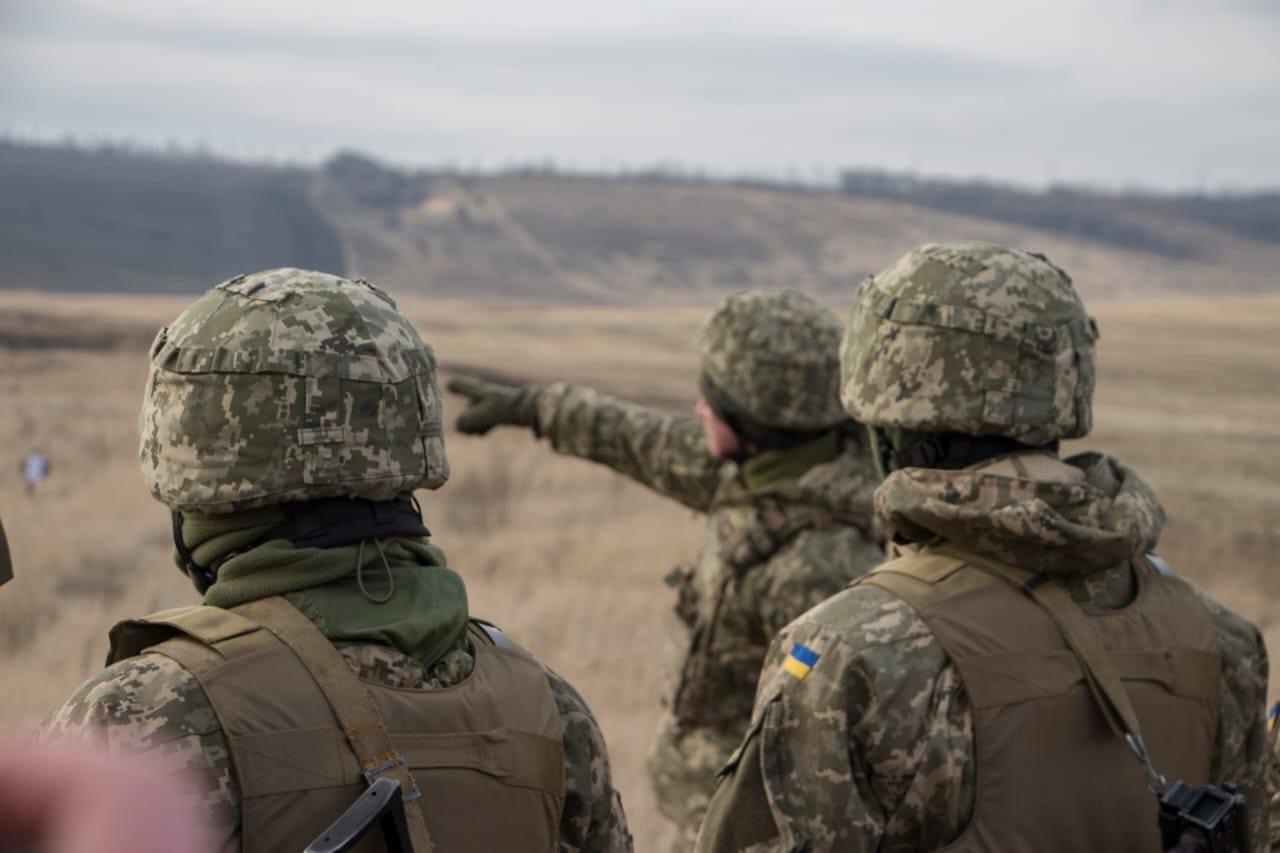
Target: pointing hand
[492, 404]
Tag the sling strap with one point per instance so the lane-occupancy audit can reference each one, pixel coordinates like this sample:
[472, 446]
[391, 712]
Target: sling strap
[1099, 668]
[351, 703]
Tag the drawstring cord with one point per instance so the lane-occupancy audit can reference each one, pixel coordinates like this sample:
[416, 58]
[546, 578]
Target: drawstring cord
[391, 579]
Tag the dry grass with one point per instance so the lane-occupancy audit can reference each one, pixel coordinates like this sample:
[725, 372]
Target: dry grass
[567, 556]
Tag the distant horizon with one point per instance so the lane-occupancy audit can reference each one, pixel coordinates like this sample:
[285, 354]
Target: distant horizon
[1172, 96]
[783, 177]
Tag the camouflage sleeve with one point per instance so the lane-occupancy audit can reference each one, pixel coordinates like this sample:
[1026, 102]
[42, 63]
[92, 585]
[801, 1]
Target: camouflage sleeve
[151, 703]
[868, 748]
[1242, 752]
[667, 453]
[593, 820]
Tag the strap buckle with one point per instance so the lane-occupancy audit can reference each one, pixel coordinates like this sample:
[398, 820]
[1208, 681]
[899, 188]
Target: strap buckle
[1156, 783]
[371, 775]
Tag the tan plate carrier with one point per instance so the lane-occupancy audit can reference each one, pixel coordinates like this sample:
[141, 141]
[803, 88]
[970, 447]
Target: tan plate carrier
[481, 762]
[1054, 774]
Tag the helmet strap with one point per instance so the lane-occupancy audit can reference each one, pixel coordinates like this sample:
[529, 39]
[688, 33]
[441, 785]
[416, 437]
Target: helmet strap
[333, 522]
[202, 576]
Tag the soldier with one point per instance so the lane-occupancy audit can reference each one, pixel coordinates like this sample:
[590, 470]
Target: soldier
[786, 486]
[288, 418]
[973, 691]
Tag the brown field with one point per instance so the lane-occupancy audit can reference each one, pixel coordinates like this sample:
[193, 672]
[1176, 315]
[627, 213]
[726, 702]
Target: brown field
[564, 555]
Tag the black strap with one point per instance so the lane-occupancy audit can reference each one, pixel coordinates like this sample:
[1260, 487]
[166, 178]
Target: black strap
[953, 451]
[332, 522]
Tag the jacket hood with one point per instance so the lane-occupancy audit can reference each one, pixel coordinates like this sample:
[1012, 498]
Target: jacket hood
[1080, 515]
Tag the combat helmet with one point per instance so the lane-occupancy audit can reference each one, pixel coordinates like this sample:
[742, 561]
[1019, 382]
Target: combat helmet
[290, 385]
[770, 363]
[974, 339]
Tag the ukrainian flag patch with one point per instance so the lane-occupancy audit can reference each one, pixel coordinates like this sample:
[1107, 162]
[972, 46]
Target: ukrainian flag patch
[800, 660]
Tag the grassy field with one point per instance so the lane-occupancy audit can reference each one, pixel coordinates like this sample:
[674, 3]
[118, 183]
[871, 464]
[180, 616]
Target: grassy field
[564, 555]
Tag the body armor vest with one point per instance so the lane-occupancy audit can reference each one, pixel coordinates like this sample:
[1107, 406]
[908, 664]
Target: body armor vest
[1051, 774]
[487, 754]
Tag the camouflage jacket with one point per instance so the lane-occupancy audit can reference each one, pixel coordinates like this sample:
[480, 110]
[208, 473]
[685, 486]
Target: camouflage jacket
[785, 530]
[150, 702]
[873, 748]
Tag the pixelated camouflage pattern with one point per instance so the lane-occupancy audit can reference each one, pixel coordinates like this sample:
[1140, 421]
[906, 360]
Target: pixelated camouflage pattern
[593, 820]
[682, 762]
[290, 385]
[769, 554]
[971, 338]
[873, 749]
[151, 703]
[773, 354]
[1097, 515]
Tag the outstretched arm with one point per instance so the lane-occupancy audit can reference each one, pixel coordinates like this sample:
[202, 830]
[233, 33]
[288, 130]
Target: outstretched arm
[667, 453]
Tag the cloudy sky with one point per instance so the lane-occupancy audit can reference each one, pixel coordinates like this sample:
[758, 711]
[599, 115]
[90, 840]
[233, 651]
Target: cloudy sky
[1160, 93]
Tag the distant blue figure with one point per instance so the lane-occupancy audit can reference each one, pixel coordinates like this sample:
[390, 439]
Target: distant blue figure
[35, 467]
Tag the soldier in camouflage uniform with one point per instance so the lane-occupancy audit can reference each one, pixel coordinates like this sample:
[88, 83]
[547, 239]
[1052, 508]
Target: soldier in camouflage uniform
[785, 484]
[938, 701]
[288, 417]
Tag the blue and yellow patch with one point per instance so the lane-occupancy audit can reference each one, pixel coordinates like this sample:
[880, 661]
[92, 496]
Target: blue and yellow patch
[799, 660]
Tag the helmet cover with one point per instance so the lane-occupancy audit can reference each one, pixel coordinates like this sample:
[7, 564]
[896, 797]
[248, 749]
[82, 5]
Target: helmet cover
[290, 385]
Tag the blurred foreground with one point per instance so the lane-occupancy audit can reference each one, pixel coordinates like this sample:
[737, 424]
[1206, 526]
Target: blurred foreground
[567, 557]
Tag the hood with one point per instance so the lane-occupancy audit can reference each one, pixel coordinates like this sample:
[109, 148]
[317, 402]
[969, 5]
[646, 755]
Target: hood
[1080, 515]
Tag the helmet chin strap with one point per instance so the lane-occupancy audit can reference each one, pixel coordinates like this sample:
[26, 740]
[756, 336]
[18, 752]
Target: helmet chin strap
[202, 576]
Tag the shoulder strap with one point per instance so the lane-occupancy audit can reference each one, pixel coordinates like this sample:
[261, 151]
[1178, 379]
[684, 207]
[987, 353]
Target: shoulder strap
[351, 702]
[1099, 667]
[213, 626]
[917, 578]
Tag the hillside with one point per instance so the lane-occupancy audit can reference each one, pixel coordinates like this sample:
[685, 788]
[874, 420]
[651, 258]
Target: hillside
[112, 221]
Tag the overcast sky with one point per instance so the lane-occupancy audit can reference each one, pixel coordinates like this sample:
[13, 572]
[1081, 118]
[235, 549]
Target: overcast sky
[1160, 93]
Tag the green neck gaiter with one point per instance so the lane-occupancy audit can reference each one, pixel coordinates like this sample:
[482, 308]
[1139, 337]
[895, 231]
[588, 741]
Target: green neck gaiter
[760, 473]
[393, 592]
